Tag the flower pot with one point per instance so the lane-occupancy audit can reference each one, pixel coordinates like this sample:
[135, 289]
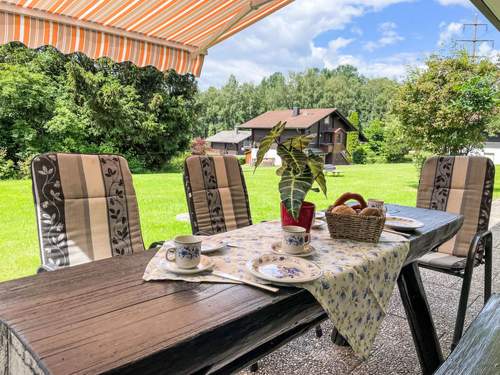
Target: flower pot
[305, 219]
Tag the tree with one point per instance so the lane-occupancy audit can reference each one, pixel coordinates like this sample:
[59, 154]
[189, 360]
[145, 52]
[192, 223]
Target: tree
[451, 106]
[353, 137]
[55, 102]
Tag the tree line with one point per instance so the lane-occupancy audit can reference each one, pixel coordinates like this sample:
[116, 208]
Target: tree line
[70, 103]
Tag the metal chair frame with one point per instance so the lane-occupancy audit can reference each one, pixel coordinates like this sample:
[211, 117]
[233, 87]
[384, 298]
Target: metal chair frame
[465, 274]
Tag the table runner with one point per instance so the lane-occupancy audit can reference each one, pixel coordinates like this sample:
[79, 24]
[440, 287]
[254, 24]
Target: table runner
[357, 282]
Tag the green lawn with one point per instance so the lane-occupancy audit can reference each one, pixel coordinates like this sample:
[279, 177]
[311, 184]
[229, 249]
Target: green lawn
[161, 197]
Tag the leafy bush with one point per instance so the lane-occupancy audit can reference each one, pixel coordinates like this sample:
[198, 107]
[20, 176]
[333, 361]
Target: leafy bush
[241, 159]
[71, 103]
[7, 169]
[176, 164]
[450, 106]
[359, 155]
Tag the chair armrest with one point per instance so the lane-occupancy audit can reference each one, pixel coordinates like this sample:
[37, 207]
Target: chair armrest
[474, 247]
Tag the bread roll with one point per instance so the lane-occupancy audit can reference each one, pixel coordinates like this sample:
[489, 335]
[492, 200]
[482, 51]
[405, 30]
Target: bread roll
[343, 210]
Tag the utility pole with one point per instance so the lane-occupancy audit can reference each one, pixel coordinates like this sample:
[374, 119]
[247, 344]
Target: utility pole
[474, 40]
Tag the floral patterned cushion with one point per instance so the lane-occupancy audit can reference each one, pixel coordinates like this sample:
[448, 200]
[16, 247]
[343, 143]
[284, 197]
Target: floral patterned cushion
[216, 193]
[459, 184]
[86, 208]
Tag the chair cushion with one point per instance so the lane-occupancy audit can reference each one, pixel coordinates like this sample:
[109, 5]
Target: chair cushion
[216, 193]
[86, 208]
[459, 184]
[444, 261]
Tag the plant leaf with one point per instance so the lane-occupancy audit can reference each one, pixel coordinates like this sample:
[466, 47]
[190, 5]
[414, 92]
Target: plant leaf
[293, 189]
[300, 142]
[315, 163]
[294, 158]
[279, 171]
[267, 141]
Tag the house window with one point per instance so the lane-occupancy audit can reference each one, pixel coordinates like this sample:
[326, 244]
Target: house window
[339, 137]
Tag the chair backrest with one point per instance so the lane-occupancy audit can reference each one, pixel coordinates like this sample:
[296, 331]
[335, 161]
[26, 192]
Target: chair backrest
[459, 184]
[86, 208]
[216, 194]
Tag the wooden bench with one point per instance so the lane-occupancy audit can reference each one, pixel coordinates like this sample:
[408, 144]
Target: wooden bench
[478, 351]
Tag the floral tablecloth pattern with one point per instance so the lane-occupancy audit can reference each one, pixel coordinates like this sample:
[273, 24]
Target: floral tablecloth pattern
[357, 282]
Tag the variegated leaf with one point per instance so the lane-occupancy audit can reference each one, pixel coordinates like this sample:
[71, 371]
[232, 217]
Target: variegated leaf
[300, 142]
[315, 163]
[267, 142]
[293, 157]
[293, 189]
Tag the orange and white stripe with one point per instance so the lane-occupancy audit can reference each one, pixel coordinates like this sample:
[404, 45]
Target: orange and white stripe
[167, 34]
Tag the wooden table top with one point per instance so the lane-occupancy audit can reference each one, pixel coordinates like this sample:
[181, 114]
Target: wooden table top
[102, 317]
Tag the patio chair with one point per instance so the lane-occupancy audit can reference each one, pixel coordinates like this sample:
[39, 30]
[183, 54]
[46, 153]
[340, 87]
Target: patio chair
[464, 185]
[216, 194]
[86, 208]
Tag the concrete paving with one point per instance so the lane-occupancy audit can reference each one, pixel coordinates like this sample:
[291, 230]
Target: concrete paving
[393, 352]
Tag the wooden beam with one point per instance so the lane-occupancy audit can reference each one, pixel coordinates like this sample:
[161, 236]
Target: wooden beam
[250, 7]
[70, 21]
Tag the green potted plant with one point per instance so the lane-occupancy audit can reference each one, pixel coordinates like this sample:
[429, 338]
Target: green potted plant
[300, 169]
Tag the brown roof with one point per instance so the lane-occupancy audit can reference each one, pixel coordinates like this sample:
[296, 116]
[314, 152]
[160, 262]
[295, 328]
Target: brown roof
[304, 120]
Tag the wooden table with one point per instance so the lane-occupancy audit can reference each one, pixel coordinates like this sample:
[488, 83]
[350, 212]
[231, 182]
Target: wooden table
[102, 318]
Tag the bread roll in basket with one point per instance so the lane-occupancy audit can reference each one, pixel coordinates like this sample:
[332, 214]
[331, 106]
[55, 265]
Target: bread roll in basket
[366, 226]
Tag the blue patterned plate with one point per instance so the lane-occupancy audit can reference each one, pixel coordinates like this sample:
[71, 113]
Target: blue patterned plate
[284, 269]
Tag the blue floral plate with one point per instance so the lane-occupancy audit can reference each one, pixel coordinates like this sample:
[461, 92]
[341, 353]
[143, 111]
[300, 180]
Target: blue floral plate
[284, 269]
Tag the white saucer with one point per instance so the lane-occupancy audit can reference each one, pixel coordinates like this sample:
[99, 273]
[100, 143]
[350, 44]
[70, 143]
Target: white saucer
[403, 224]
[205, 265]
[209, 246]
[320, 214]
[318, 224]
[309, 250]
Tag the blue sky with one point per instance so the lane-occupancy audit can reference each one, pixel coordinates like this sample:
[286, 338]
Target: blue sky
[382, 38]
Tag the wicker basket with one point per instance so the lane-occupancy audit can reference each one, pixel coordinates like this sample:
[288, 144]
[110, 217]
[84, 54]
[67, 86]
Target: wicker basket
[355, 227]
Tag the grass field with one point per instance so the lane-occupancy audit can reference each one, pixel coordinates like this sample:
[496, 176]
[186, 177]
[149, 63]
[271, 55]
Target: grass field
[161, 198]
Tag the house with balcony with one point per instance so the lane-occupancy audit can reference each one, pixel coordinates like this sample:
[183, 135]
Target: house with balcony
[326, 126]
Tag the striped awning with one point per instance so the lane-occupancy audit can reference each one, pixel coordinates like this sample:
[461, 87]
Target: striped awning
[168, 34]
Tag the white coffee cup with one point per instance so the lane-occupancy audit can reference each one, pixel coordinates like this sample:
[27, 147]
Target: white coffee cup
[294, 239]
[186, 253]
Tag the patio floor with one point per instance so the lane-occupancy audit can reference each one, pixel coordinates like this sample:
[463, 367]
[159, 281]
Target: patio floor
[393, 352]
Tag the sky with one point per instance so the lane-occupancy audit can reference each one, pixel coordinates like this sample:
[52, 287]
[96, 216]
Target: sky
[382, 38]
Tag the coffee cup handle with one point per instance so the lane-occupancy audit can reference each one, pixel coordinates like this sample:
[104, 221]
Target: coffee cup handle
[307, 239]
[171, 254]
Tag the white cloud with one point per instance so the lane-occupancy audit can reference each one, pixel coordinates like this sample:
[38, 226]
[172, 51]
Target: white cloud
[395, 66]
[448, 33]
[357, 30]
[389, 36]
[284, 41]
[485, 50]
[464, 3]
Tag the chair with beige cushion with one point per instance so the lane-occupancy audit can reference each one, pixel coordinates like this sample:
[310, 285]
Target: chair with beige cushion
[86, 208]
[216, 194]
[464, 185]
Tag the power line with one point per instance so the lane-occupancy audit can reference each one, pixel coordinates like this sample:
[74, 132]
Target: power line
[474, 39]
